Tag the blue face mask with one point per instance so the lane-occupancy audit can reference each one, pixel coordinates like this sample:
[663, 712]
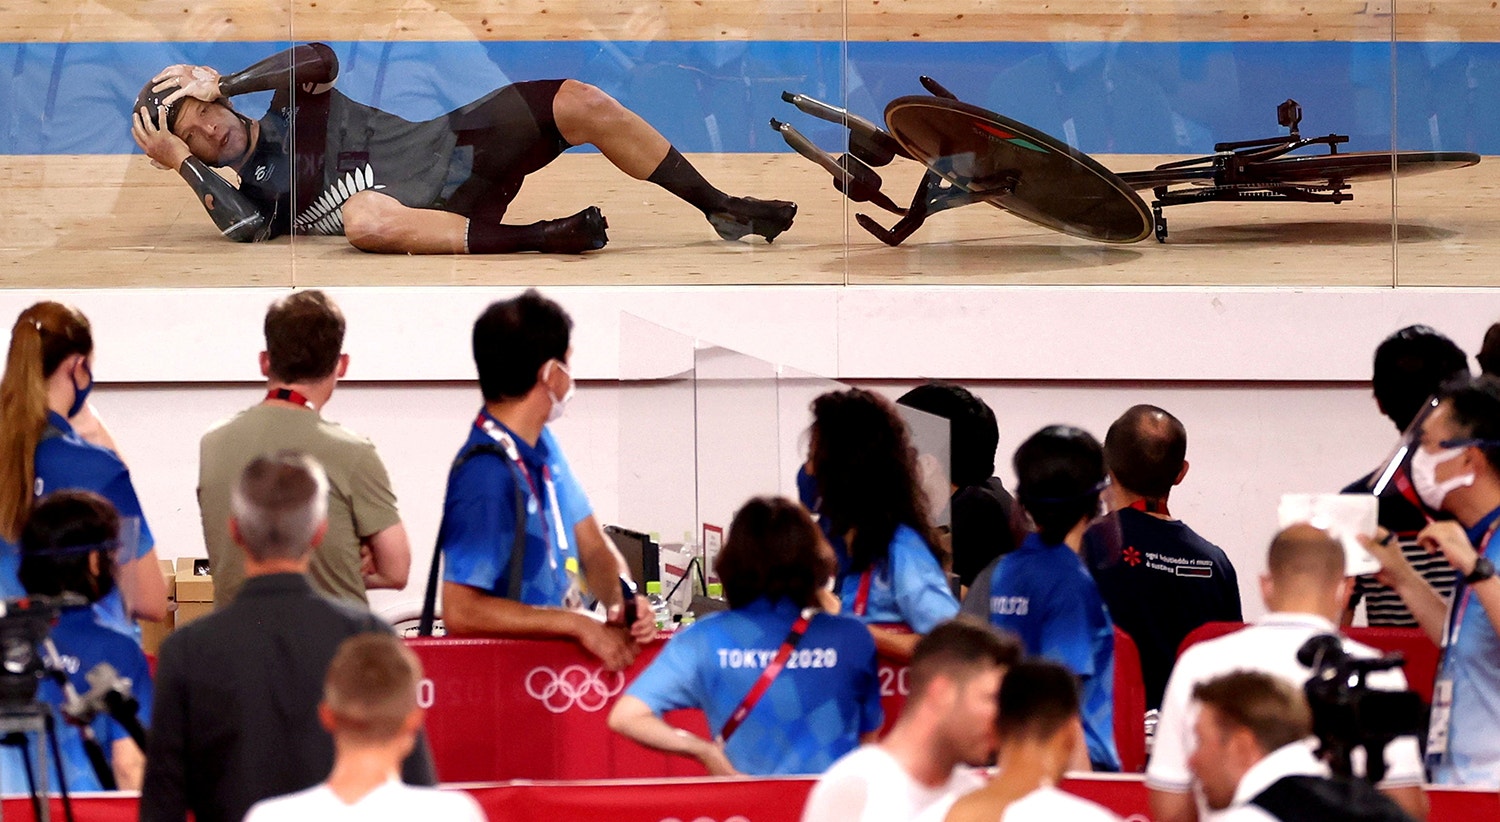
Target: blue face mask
[81, 395]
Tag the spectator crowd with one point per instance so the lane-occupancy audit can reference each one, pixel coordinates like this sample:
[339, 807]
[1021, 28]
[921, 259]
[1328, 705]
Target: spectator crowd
[293, 701]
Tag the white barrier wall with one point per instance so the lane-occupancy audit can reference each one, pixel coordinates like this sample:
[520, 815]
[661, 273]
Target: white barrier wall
[1248, 443]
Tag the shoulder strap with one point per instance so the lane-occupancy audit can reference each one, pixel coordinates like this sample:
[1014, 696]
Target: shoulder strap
[517, 548]
[773, 670]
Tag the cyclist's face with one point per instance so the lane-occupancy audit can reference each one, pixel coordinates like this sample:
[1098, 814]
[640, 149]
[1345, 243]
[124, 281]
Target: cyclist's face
[212, 132]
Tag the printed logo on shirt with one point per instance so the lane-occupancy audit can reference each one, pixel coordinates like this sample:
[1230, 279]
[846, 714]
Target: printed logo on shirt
[574, 686]
[1010, 606]
[1132, 557]
[1178, 566]
[736, 658]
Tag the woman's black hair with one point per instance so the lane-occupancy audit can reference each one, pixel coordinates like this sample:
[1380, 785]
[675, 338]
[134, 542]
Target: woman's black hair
[63, 531]
[866, 471]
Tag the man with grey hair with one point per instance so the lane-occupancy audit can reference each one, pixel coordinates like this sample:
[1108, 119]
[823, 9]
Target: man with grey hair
[236, 716]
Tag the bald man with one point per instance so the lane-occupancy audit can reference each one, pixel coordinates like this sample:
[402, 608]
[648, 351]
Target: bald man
[1305, 592]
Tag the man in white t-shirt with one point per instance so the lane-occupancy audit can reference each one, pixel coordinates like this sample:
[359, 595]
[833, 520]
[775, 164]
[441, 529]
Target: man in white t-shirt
[947, 725]
[370, 707]
[1305, 592]
[1040, 731]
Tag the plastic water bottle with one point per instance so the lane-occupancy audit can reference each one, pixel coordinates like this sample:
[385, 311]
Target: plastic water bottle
[658, 605]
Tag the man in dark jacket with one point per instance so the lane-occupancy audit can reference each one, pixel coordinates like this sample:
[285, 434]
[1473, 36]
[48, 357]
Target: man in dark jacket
[237, 691]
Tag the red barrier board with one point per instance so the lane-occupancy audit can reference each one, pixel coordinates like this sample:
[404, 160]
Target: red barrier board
[726, 800]
[501, 709]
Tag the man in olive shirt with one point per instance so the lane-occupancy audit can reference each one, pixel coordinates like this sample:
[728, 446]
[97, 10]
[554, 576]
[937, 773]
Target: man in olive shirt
[366, 546]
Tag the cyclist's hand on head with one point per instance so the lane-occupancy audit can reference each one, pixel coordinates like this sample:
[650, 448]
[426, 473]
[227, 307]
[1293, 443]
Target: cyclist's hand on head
[165, 149]
[200, 82]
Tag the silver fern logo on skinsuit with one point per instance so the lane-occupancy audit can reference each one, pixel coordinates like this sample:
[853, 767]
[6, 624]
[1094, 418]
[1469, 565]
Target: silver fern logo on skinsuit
[326, 214]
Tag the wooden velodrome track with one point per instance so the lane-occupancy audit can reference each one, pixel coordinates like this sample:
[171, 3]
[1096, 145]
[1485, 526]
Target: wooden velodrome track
[112, 220]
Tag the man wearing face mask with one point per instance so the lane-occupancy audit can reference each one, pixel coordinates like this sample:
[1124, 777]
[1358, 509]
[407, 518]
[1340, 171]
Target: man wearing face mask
[511, 464]
[1456, 468]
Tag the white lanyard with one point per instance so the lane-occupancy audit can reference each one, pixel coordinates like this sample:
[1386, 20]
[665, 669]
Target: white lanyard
[554, 512]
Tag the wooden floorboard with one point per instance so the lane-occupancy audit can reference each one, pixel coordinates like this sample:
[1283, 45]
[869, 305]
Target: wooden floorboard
[109, 221]
[858, 20]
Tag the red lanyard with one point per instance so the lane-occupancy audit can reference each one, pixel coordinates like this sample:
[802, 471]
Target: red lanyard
[862, 595]
[1409, 492]
[1457, 623]
[290, 395]
[1150, 506]
[493, 430]
[767, 676]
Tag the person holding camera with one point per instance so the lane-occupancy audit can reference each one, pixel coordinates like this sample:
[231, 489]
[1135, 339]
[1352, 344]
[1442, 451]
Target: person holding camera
[1253, 764]
[1455, 468]
[68, 549]
[1305, 591]
[787, 687]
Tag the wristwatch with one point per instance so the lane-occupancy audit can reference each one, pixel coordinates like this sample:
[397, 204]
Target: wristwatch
[1483, 570]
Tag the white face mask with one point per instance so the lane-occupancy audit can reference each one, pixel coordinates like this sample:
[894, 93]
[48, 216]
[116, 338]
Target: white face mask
[1424, 476]
[560, 404]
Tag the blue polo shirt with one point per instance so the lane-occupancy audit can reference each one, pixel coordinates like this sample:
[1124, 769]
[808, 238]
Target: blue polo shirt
[908, 587]
[67, 462]
[1472, 661]
[1044, 594]
[479, 519]
[826, 697]
[83, 641]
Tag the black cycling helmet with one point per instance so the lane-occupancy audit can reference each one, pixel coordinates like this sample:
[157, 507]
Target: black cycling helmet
[152, 100]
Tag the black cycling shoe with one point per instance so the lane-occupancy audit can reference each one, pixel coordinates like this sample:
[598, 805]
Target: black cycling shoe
[581, 232]
[747, 215]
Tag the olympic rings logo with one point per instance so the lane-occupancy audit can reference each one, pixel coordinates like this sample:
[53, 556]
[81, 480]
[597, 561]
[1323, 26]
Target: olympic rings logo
[574, 685]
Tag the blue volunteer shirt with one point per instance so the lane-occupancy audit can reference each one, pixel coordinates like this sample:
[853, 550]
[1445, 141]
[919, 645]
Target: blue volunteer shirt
[826, 697]
[83, 641]
[1044, 594]
[1472, 662]
[479, 519]
[67, 462]
[908, 587]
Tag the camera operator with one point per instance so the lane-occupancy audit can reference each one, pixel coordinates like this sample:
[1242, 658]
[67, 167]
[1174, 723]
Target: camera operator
[67, 547]
[1253, 762]
[1305, 591]
[1455, 467]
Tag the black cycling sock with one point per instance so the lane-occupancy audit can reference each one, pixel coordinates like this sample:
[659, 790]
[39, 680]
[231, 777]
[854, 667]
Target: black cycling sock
[678, 176]
[581, 232]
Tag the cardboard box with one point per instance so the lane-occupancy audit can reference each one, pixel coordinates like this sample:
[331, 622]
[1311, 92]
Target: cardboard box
[195, 590]
[153, 633]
